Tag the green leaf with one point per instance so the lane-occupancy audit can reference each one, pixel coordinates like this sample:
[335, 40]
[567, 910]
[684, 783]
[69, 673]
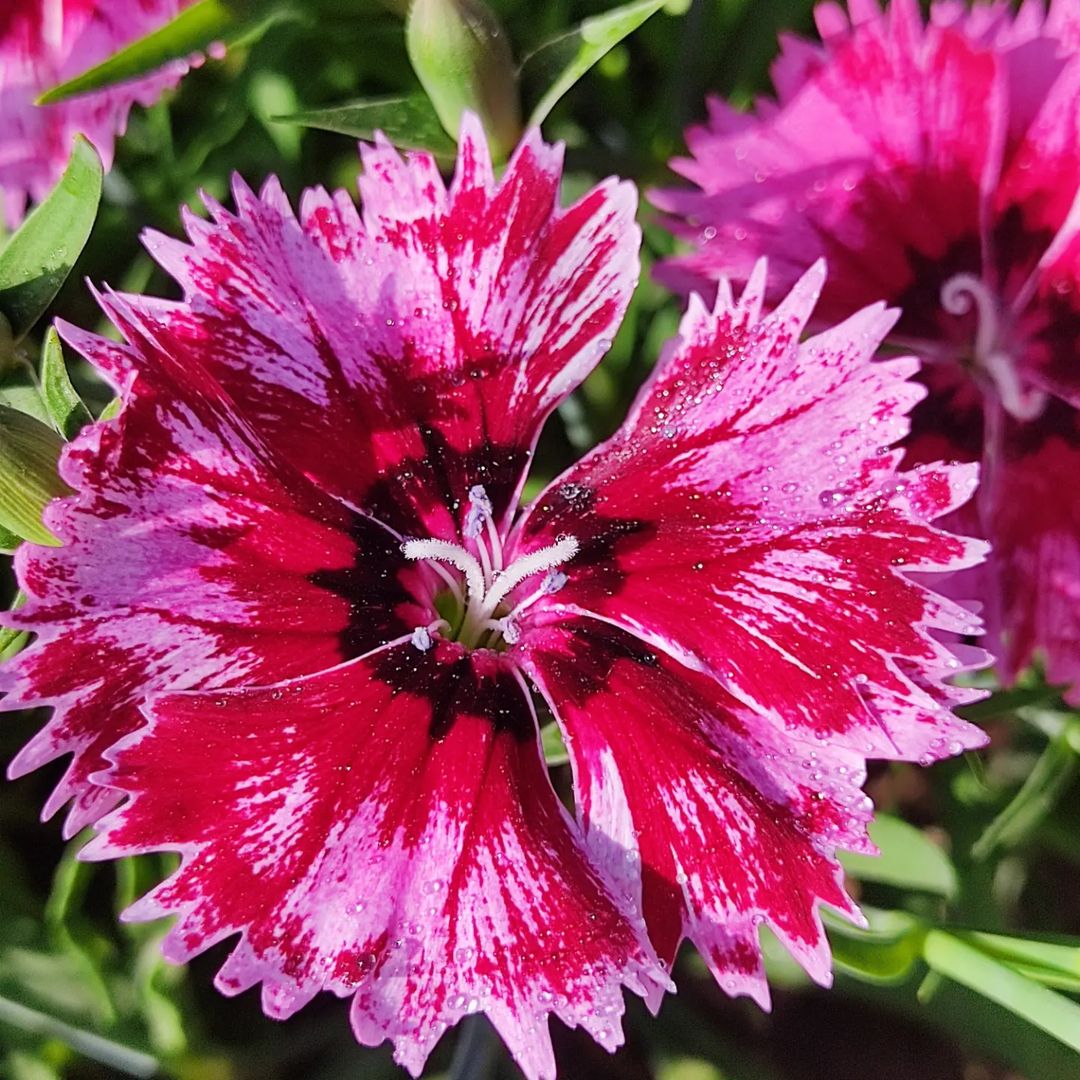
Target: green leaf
[38, 258]
[962, 962]
[232, 22]
[552, 742]
[1045, 784]
[8, 543]
[19, 388]
[1004, 702]
[29, 451]
[24, 1066]
[560, 63]
[908, 859]
[884, 953]
[66, 409]
[409, 122]
[1050, 962]
[68, 937]
[112, 1054]
[12, 640]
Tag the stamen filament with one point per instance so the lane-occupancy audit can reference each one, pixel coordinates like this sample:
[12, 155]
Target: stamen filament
[451, 582]
[496, 543]
[487, 587]
[444, 551]
[566, 547]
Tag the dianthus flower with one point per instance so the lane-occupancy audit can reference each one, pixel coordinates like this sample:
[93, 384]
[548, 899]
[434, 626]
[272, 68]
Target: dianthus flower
[936, 166]
[46, 42]
[301, 625]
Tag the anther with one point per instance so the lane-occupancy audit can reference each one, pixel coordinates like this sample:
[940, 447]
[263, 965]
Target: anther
[479, 513]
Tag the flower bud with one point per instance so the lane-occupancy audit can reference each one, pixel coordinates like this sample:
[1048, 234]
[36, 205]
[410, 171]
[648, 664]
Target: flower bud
[462, 57]
[29, 451]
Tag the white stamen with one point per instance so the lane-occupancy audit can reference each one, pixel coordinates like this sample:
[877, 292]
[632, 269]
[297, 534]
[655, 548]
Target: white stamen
[450, 580]
[564, 548]
[965, 292]
[487, 589]
[444, 551]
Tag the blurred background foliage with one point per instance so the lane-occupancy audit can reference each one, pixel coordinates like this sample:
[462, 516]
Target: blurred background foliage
[971, 967]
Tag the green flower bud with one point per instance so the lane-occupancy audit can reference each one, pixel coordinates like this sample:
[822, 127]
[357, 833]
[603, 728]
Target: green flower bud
[462, 57]
[29, 451]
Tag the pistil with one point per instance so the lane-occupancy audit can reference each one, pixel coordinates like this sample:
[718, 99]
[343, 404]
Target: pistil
[963, 293]
[487, 583]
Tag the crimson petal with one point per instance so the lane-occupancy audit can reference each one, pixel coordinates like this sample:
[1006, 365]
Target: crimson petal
[191, 557]
[749, 520]
[711, 820]
[403, 356]
[384, 830]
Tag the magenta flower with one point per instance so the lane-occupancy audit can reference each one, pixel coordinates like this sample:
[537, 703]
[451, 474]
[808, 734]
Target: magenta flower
[937, 166]
[297, 610]
[45, 42]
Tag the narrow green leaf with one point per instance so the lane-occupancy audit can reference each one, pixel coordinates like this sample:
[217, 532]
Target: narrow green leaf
[560, 63]
[29, 451]
[231, 22]
[38, 258]
[8, 543]
[19, 389]
[962, 962]
[409, 122]
[884, 953]
[552, 742]
[66, 409]
[908, 859]
[1045, 784]
[24, 1066]
[1003, 702]
[61, 918]
[111, 1054]
[12, 640]
[1051, 962]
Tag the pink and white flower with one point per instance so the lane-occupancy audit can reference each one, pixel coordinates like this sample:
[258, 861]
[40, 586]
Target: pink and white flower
[46, 42]
[300, 631]
[938, 166]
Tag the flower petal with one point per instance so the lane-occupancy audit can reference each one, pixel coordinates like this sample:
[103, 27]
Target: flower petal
[710, 819]
[749, 520]
[190, 557]
[1051, 320]
[384, 830]
[881, 160]
[45, 44]
[1031, 512]
[403, 357]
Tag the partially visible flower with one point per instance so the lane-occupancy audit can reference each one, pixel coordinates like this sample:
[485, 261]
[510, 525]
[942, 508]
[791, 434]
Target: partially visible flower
[46, 42]
[298, 610]
[937, 166]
